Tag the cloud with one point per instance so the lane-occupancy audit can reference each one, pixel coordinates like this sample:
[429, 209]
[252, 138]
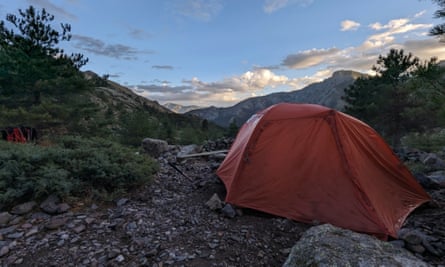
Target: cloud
[249, 81]
[259, 80]
[425, 49]
[229, 90]
[420, 14]
[363, 56]
[391, 30]
[203, 10]
[309, 58]
[98, 47]
[271, 6]
[162, 67]
[349, 25]
[53, 9]
[139, 34]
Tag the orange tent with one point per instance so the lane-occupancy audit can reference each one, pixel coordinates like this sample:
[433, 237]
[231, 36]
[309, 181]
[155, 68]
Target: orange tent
[312, 164]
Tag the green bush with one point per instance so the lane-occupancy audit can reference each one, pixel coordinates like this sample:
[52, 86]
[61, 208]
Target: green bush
[428, 142]
[75, 167]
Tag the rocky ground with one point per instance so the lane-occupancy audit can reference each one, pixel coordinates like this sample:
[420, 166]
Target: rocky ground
[169, 223]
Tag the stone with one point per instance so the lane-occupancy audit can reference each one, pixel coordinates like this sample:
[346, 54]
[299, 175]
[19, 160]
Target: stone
[49, 205]
[5, 217]
[16, 220]
[56, 222]
[23, 208]
[214, 203]
[3, 251]
[416, 248]
[120, 258]
[154, 147]
[411, 236]
[398, 243]
[437, 177]
[427, 182]
[121, 202]
[229, 211]
[434, 161]
[327, 245]
[62, 208]
[32, 231]
[89, 220]
[80, 228]
[8, 230]
[26, 226]
[15, 235]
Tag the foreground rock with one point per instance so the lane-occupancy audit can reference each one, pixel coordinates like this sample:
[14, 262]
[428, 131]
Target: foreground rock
[154, 147]
[327, 245]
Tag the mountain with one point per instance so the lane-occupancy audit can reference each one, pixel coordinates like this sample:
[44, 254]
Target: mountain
[179, 108]
[105, 109]
[327, 93]
[132, 117]
[113, 95]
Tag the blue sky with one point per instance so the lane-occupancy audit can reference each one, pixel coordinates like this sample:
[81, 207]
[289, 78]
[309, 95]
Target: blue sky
[219, 52]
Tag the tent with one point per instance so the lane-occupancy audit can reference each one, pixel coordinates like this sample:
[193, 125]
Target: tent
[313, 164]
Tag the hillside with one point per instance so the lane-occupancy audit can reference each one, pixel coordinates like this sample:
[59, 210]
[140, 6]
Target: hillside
[328, 93]
[149, 118]
[110, 93]
[109, 110]
[179, 108]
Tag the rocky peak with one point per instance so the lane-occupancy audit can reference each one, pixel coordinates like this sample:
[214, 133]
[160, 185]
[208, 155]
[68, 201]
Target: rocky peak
[327, 93]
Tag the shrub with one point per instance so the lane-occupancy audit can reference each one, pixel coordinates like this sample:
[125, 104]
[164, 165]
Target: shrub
[428, 142]
[75, 167]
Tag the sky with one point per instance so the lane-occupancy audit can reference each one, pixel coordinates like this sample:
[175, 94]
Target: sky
[220, 52]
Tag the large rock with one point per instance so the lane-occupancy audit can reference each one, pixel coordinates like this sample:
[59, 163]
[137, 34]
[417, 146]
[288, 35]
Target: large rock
[49, 205]
[23, 208]
[5, 217]
[437, 177]
[154, 147]
[433, 161]
[326, 245]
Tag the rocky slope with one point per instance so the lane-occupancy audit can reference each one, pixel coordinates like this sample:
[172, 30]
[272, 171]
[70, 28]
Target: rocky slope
[172, 223]
[328, 93]
[179, 108]
[111, 95]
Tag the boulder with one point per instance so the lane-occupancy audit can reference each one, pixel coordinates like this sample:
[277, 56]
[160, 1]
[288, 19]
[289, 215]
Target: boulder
[49, 205]
[5, 217]
[214, 203]
[427, 182]
[154, 147]
[433, 161]
[52, 206]
[418, 242]
[63, 207]
[437, 177]
[327, 245]
[23, 208]
[229, 211]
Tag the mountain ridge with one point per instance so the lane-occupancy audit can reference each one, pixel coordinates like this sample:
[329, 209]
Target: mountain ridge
[328, 93]
[179, 108]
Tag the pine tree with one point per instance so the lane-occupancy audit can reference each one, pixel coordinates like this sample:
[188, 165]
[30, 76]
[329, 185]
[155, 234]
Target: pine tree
[31, 64]
[387, 100]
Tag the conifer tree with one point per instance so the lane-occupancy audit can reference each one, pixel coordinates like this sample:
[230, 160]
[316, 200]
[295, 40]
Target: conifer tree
[31, 63]
[389, 100]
